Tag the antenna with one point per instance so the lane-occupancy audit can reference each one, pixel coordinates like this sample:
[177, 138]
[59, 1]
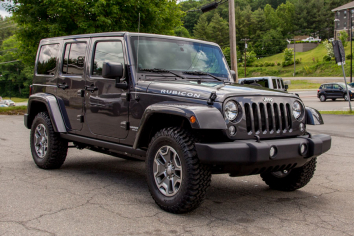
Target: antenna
[137, 51]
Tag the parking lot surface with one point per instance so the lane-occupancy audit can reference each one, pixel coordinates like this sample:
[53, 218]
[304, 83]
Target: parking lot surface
[95, 194]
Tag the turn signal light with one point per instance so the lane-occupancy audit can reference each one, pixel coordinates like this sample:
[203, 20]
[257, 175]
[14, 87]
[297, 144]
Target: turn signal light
[192, 119]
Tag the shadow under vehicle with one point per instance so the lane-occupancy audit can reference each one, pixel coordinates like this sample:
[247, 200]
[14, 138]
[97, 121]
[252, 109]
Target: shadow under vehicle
[179, 111]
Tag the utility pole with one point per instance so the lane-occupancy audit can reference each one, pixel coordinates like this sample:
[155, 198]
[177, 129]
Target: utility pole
[294, 57]
[351, 48]
[245, 54]
[232, 29]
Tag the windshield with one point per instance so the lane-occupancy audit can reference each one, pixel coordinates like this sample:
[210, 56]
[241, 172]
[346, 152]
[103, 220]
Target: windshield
[177, 55]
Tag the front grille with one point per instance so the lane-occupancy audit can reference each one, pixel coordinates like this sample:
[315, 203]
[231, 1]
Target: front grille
[263, 118]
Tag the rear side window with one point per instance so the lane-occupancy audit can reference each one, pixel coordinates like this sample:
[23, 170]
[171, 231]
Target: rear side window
[336, 86]
[328, 86]
[107, 51]
[282, 83]
[74, 58]
[321, 87]
[47, 60]
[263, 82]
[274, 83]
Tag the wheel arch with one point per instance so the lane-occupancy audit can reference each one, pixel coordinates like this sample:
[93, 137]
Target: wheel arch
[43, 102]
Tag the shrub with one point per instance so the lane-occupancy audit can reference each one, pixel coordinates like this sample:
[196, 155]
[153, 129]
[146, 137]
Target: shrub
[327, 58]
[343, 37]
[297, 61]
[349, 56]
[329, 48]
[261, 64]
[278, 64]
[272, 64]
[287, 63]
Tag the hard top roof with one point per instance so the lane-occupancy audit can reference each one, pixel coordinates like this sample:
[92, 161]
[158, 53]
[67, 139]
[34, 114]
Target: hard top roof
[262, 77]
[119, 33]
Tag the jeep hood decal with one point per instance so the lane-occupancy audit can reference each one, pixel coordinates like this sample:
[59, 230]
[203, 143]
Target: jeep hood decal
[203, 90]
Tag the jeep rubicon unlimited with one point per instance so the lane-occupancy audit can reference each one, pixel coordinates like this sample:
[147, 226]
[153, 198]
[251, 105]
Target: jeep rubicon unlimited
[171, 102]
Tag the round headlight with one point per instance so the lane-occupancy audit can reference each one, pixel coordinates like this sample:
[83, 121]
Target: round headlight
[230, 110]
[297, 109]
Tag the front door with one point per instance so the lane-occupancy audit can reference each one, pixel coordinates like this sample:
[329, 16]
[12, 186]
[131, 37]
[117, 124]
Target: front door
[71, 81]
[106, 110]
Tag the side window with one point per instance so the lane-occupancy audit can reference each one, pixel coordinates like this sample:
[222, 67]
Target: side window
[274, 83]
[279, 84]
[47, 60]
[329, 86]
[335, 86]
[107, 51]
[74, 58]
[282, 83]
[321, 86]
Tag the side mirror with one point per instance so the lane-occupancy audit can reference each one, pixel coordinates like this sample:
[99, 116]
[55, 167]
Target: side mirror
[112, 70]
[233, 74]
[286, 87]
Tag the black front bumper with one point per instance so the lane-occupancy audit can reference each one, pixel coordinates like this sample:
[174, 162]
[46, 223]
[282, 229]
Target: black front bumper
[244, 157]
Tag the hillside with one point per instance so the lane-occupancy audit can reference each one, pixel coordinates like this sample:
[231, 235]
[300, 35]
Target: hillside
[312, 65]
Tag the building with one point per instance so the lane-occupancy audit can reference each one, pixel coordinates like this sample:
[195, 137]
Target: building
[343, 17]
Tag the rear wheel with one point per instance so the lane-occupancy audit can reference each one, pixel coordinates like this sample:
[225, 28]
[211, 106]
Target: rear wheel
[290, 180]
[322, 98]
[177, 180]
[48, 149]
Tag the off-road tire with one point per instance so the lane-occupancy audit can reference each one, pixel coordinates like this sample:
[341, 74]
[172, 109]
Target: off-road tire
[297, 178]
[196, 176]
[322, 98]
[57, 147]
[333, 99]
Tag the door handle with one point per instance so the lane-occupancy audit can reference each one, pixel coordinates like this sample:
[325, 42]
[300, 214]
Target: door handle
[91, 88]
[63, 86]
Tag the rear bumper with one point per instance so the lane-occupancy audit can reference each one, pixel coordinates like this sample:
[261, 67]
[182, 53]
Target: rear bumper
[250, 154]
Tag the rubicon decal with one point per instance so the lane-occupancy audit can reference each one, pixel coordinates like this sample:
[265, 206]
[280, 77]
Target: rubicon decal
[186, 94]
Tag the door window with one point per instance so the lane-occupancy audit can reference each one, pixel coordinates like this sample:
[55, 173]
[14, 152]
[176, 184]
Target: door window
[274, 83]
[47, 60]
[336, 86]
[107, 51]
[328, 86]
[74, 58]
[279, 84]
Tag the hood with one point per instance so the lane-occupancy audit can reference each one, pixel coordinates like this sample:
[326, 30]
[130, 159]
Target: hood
[202, 91]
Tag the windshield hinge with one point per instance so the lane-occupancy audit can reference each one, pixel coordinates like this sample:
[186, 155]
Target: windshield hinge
[212, 98]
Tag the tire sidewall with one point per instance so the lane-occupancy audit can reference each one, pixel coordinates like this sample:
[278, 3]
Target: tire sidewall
[322, 98]
[157, 195]
[39, 119]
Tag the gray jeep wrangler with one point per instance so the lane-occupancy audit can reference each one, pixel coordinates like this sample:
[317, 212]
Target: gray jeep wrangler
[173, 103]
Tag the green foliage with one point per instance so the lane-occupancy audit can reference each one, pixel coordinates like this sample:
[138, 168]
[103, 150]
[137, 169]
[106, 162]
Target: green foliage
[329, 48]
[348, 57]
[326, 58]
[182, 32]
[226, 52]
[288, 54]
[42, 19]
[344, 37]
[200, 29]
[218, 30]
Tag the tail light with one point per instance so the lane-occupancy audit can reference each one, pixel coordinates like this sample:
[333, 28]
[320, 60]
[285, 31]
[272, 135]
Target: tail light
[318, 91]
[30, 90]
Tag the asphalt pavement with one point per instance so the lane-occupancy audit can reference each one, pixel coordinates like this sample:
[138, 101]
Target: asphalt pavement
[95, 194]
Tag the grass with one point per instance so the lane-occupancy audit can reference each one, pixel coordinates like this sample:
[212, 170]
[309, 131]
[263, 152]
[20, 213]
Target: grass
[20, 110]
[16, 99]
[303, 84]
[337, 112]
[311, 65]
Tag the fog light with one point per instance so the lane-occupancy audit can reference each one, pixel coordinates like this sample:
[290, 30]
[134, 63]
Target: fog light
[232, 130]
[302, 127]
[272, 151]
[303, 149]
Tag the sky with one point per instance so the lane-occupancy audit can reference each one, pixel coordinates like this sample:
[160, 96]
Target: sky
[3, 12]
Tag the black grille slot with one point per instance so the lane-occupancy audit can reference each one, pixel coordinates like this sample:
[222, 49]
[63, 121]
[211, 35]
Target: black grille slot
[288, 111]
[263, 117]
[283, 117]
[270, 117]
[276, 117]
[248, 117]
[255, 117]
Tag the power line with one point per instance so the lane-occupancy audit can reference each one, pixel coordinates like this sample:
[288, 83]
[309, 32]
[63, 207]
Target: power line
[7, 62]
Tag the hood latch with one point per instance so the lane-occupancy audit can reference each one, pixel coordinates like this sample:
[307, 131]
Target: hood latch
[212, 98]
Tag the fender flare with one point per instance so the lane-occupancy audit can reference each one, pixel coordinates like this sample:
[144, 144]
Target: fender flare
[313, 117]
[207, 117]
[53, 109]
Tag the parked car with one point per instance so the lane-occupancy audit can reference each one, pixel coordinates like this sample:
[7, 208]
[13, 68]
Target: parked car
[334, 91]
[351, 85]
[9, 103]
[271, 82]
[311, 40]
[178, 111]
[3, 105]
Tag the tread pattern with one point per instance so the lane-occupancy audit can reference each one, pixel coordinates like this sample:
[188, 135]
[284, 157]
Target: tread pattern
[57, 148]
[296, 179]
[199, 175]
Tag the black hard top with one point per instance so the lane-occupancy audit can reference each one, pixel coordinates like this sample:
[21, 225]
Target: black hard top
[121, 33]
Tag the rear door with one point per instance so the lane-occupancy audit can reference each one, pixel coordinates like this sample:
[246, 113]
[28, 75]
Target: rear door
[72, 80]
[106, 110]
[328, 90]
[337, 91]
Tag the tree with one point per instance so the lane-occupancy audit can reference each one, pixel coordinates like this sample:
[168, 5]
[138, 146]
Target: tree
[218, 31]
[200, 29]
[182, 32]
[50, 18]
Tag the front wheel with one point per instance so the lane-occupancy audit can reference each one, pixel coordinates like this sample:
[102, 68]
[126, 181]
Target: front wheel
[346, 97]
[290, 180]
[177, 180]
[322, 98]
[48, 149]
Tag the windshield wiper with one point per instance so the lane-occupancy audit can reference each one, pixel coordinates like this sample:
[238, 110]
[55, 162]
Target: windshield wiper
[163, 71]
[201, 73]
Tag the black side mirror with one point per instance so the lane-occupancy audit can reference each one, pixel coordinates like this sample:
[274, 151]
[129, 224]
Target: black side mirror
[233, 74]
[112, 70]
[286, 87]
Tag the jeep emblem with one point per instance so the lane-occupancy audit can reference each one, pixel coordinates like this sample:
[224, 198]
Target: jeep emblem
[268, 100]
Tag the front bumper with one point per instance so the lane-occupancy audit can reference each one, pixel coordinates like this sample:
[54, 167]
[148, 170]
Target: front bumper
[244, 157]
